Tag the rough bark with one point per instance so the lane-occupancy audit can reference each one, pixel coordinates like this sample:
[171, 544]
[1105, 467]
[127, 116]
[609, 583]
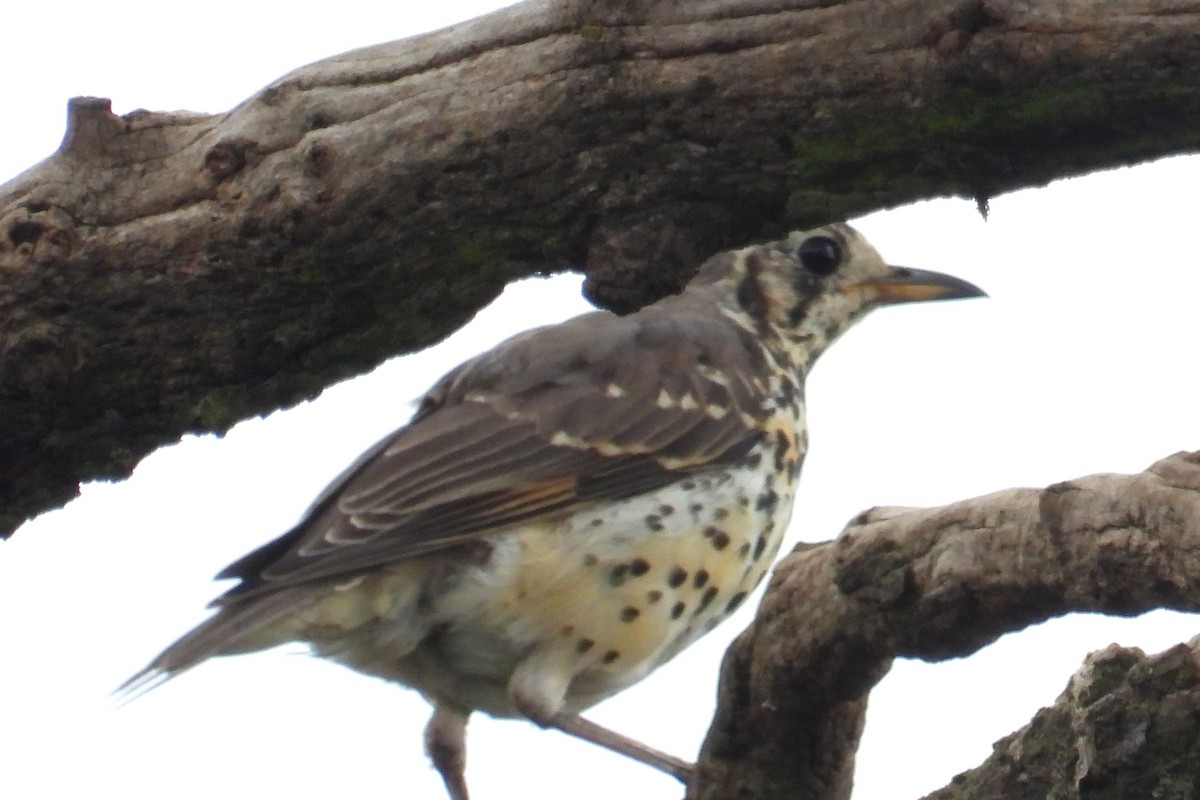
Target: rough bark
[174, 272]
[1134, 721]
[942, 583]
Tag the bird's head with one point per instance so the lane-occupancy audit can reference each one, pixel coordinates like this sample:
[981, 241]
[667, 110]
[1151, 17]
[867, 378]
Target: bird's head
[813, 285]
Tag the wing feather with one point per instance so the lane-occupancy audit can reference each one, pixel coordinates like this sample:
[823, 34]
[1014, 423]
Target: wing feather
[600, 408]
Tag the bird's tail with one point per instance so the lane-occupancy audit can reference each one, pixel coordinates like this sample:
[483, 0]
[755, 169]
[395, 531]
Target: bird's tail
[236, 628]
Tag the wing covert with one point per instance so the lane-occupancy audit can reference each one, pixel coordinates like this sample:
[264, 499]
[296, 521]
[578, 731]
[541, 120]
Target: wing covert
[599, 408]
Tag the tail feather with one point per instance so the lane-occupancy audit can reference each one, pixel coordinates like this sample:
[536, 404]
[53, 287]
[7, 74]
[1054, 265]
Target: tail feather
[234, 628]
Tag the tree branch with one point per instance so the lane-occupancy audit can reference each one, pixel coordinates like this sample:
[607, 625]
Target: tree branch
[166, 273]
[1132, 721]
[935, 584]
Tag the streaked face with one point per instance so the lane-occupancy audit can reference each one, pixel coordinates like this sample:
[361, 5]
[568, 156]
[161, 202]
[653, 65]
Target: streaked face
[815, 284]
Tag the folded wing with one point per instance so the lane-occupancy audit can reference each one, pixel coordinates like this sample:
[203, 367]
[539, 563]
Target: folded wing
[550, 422]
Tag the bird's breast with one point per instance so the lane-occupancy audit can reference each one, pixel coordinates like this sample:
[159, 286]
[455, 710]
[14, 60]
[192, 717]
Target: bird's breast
[601, 597]
[617, 590]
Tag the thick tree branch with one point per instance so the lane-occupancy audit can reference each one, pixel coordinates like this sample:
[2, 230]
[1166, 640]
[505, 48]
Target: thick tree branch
[165, 273]
[1133, 721]
[935, 584]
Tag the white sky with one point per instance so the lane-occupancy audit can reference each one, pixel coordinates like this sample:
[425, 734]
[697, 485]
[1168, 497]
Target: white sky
[1081, 362]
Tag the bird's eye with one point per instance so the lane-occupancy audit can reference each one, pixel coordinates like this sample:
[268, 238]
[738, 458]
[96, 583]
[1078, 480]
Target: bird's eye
[820, 255]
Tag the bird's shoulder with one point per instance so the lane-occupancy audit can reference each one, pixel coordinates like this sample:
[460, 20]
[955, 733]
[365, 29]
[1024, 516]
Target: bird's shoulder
[659, 355]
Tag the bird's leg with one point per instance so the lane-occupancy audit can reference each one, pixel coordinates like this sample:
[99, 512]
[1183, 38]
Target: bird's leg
[446, 745]
[611, 740]
[538, 687]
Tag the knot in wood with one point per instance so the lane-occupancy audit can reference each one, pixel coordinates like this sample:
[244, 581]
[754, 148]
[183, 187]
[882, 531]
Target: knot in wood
[872, 570]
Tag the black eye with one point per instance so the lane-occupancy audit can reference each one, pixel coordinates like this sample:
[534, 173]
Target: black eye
[820, 255]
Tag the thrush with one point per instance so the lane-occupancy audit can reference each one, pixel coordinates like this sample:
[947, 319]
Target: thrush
[568, 511]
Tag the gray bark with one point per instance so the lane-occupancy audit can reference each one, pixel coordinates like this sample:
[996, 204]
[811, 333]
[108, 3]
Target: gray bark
[1126, 726]
[171, 272]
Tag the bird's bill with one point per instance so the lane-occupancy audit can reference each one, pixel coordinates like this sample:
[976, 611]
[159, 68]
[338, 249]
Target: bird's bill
[907, 285]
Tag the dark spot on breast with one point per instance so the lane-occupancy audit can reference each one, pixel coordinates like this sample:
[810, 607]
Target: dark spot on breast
[695, 509]
[617, 576]
[735, 601]
[629, 614]
[666, 510]
[759, 547]
[793, 470]
[753, 460]
[590, 560]
[767, 501]
[720, 512]
[782, 444]
[597, 522]
[787, 392]
[688, 485]
[568, 630]
[639, 567]
[677, 577]
[744, 550]
[583, 645]
[706, 598]
[611, 656]
[700, 579]
[653, 596]
[719, 538]
[654, 522]
[678, 609]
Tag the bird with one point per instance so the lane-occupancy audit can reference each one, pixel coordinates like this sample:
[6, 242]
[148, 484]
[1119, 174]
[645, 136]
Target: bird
[567, 511]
